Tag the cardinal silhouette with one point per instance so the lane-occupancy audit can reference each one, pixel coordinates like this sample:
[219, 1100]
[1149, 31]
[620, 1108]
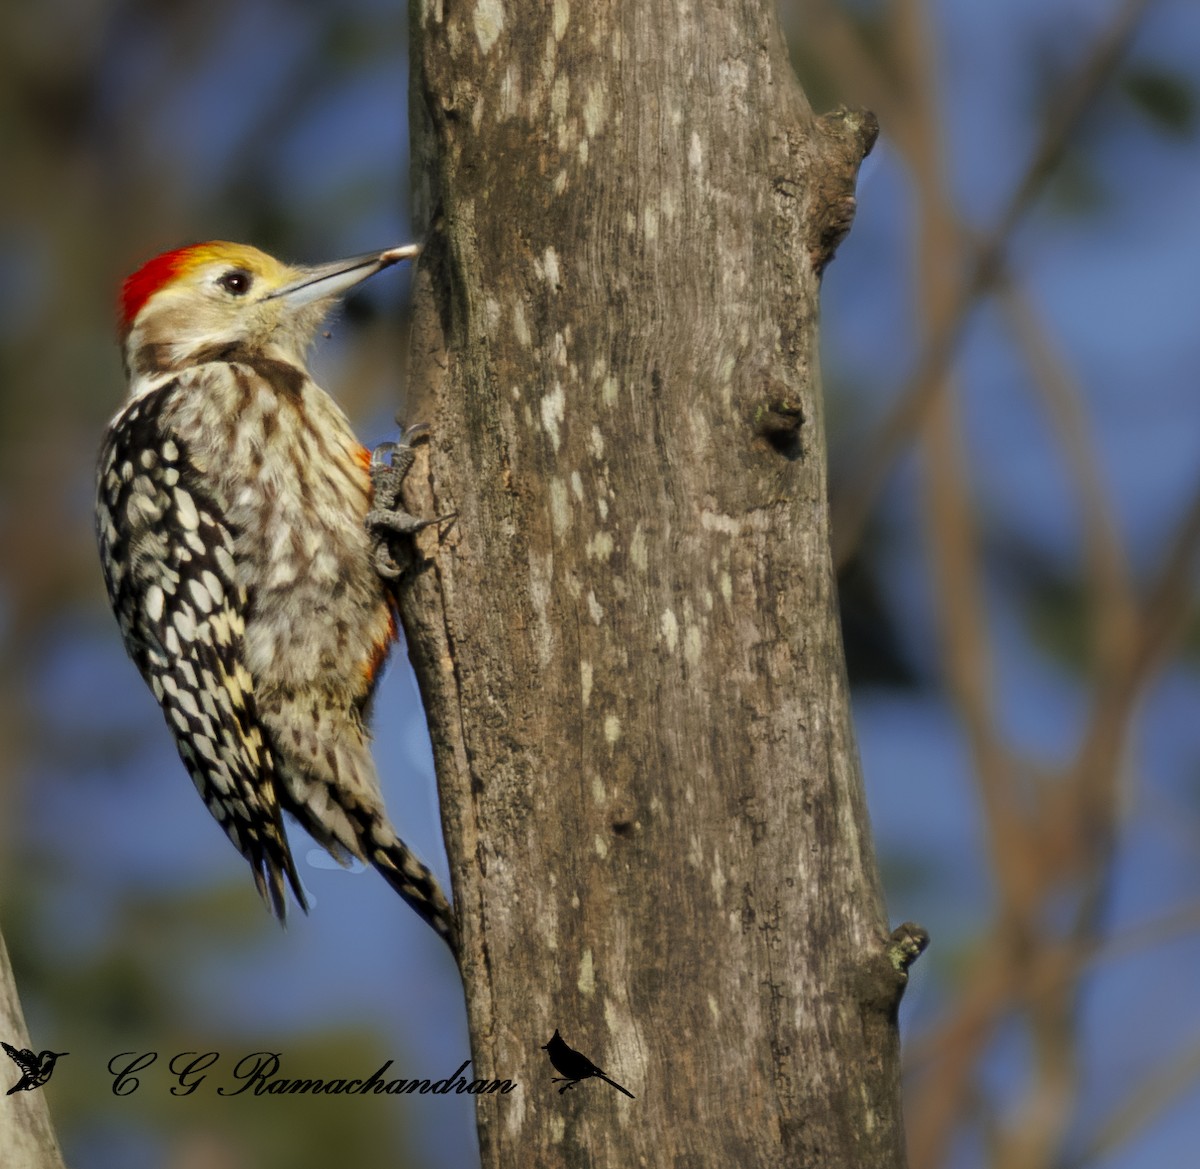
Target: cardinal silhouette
[575, 1066]
[35, 1069]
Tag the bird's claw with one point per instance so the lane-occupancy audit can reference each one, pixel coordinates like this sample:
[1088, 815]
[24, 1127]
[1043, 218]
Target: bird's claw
[384, 454]
[388, 517]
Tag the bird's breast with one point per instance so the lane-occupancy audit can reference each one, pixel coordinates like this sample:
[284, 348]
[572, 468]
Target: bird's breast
[297, 491]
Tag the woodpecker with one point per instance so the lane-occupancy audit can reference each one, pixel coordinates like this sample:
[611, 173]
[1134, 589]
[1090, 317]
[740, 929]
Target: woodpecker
[244, 560]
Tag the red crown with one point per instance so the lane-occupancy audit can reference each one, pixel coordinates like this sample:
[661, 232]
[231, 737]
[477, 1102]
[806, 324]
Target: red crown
[148, 279]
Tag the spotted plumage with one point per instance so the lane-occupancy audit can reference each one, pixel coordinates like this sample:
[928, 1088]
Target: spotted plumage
[232, 507]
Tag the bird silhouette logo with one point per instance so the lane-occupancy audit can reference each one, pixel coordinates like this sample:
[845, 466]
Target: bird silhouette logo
[35, 1069]
[575, 1066]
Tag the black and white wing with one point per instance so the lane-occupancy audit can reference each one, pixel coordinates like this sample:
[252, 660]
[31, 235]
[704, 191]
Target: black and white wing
[168, 558]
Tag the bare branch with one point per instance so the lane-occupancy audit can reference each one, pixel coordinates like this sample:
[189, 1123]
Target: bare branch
[853, 503]
[1114, 610]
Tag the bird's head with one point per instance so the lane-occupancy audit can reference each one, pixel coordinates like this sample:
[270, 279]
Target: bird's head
[206, 300]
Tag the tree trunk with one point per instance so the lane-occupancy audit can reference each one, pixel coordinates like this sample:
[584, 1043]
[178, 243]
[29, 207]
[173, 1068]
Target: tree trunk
[27, 1139]
[627, 640]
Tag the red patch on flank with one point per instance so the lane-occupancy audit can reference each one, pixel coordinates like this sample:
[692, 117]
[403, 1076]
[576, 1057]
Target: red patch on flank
[148, 279]
[380, 653]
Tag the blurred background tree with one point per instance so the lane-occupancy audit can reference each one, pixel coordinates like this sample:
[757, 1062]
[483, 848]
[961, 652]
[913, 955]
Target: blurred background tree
[1016, 466]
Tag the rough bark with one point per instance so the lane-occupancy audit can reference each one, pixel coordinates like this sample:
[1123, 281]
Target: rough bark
[27, 1139]
[627, 640]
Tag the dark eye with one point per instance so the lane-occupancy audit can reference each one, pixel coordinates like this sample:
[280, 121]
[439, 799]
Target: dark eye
[236, 281]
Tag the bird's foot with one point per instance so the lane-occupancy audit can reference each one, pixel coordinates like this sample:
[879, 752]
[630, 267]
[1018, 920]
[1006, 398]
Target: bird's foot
[388, 517]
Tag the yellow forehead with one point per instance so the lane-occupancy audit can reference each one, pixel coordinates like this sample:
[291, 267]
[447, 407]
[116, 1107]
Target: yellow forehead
[218, 252]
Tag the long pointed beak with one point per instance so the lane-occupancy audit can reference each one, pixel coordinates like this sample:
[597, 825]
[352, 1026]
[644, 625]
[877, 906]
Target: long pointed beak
[329, 280]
